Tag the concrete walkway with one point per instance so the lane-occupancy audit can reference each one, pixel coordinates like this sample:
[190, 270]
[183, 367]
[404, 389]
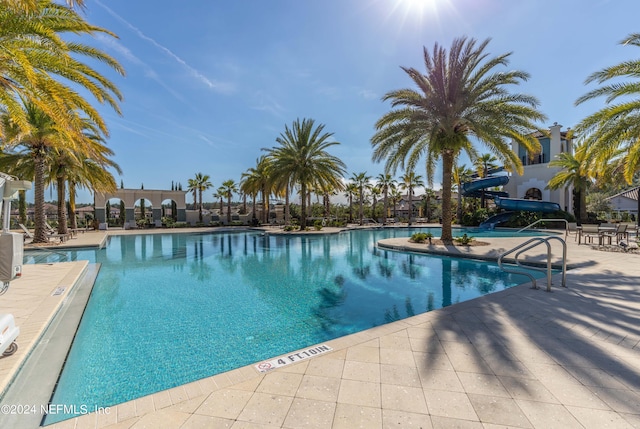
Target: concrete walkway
[520, 358]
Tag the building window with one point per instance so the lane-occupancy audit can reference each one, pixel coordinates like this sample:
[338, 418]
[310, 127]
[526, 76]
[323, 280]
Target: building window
[533, 194]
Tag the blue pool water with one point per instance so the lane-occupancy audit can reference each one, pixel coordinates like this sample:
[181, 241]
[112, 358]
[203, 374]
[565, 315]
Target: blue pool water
[168, 309]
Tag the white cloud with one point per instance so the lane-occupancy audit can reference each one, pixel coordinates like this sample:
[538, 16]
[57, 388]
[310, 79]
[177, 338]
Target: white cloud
[222, 87]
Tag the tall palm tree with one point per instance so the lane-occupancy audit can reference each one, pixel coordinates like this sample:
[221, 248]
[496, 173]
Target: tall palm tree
[375, 192]
[461, 174]
[69, 164]
[429, 194]
[192, 186]
[38, 67]
[484, 163]
[229, 187]
[361, 180]
[220, 194]
[43, 136]
[575, 171]
[30, 5]
[395, 195]
[350, 190]
[302, 152]
[459, 96]
[257, 180]
[200, 184]
[385, 182]
[616, 125]
[408, 182]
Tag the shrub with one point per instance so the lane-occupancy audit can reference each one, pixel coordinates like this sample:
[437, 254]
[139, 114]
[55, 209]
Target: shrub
[317, 225]
[464, 240]
[419, 237]
[289, 228]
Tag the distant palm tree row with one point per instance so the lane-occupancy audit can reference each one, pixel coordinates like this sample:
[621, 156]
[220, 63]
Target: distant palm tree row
[49, 133]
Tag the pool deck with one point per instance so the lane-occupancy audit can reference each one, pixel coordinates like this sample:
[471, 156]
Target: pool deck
[520, 358]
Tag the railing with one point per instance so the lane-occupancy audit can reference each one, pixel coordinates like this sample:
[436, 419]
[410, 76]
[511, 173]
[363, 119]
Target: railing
[530, 244]
[566, 222]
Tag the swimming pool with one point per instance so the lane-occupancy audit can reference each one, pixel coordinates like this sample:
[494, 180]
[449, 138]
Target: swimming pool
[168, 309]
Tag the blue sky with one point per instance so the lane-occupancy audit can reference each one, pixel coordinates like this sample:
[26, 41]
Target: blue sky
[211, 83]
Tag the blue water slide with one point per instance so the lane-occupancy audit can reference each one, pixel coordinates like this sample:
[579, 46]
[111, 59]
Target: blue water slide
[479, 184]
[526, 205]
[495, 220]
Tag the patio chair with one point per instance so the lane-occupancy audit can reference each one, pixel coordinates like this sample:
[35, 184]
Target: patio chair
[27, 233]
[573, 229]
[620, 233]
[589, 232]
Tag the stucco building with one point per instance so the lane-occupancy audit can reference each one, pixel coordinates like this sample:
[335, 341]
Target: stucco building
[537, 172]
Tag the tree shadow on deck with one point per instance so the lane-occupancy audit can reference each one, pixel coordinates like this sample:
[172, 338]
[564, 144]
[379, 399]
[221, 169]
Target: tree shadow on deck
[584, 337]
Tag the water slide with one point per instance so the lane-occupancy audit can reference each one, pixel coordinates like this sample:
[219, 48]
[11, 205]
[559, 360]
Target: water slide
[476, 187]
[473, 188]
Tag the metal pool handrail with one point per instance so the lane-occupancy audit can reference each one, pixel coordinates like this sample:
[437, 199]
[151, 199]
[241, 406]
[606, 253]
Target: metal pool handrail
[530, 244]
[566, 222]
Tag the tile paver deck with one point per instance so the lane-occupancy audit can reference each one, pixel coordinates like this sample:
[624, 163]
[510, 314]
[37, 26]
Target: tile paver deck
[518, 358]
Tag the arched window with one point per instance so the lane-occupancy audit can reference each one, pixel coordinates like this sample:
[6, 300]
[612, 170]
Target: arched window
[533, 194]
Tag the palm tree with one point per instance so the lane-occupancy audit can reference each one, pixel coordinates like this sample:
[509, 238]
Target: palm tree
[258, 180]
[375, 196]
[39, 68]
[229, 187]
[575, 171]
[220, 194]
[30, 5]
[484, 163]
[192, 186]
[350, 190]
[616, 125]
[385, 182]
[461, 174]
[395, 195]
[429, 194]
[200, 183]
[408, 182]
[459, 97]
[303, 155]
[361, 180]
[42, 137]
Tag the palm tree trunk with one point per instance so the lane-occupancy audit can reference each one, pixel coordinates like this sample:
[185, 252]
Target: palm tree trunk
[62, 205]
[253, 206]
[447, 166]
[286, 205]
[40, 234]
[410, 204]
[200, 207]
[303, 206]
[583, 205]
[22, 206]
[229, 209]
[459, 209]
[361, 206]
[72, 205]
[386, 207]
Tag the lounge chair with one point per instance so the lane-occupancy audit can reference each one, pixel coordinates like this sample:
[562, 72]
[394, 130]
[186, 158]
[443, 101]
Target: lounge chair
[27, 233]
[573, 229]
[50, 235]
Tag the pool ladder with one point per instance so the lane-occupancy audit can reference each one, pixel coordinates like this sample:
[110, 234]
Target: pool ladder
[530, 244]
